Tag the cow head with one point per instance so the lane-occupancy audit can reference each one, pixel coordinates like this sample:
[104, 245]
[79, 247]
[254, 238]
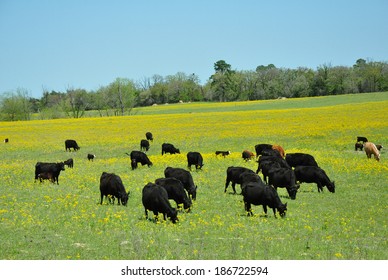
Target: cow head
[173, 215]
[187, 204]
[61, 166]
[193, 193]
[331, 187]
[282, 210]
[292, 191]
[124, 198]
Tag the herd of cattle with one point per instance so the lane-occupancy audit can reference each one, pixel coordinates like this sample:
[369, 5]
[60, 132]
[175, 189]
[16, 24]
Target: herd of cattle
[279, 170]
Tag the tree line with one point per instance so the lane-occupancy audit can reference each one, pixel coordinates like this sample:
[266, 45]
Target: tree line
[225, 84]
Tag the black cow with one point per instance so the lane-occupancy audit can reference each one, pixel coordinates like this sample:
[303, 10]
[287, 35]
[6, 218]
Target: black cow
[185, 177]
[139, 157]
[223, 153]
[362, 139]
[283, 178]
[48, 167]
[379, 147]
[91, 157]
[69, 162]
[233, 175]
[175, 191]
[259, 148]
[144, 145]
[296, 159]
[314, 174]
[71, 144]
[260, 194]
[271, 159]
[249, 177]
[149, 136]
[265, 167]
[358, 146]
[111, 184]
[194, 158]
[155, 199]
[169, 148]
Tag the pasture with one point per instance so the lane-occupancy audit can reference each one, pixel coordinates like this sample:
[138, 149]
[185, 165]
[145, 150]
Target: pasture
[66, 221]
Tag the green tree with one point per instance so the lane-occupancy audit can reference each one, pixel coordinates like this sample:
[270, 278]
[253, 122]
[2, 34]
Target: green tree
[15, 106]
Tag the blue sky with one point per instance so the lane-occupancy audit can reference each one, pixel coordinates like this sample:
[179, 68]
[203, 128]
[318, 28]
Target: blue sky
[57, 45]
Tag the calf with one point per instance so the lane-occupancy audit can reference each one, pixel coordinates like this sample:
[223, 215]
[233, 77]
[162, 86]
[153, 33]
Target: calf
[47, 167]
[296, 159]
[362, 139]
[6, 140]
[139, 157]
[155, 199]
[91, 157]
[260, 194]
[371, 149]
[194, 158]
[169, 148]
[144, 145]
[379, 147]
[223, 153]
[314, 174]
[111, 184]
[149, 136]
[283, 178]
[247, 155]
[69, 162]
[185, 177]
[358, 146]
[175, 191]
[71, 144]
[46, 176]
[233, 175]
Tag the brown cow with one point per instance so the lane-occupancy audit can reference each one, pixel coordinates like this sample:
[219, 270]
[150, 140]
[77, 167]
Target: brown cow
[279, 149]
[370, 149]
[247, 155]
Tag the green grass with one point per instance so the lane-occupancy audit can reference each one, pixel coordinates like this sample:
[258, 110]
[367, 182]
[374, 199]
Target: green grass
[66, 221]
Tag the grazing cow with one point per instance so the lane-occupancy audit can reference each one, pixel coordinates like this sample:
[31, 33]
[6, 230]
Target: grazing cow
[6, 140]
[144, 145]
[259, 148]
[149, 136]
[260, 194]
[265, 167]
[223, 153]
[247, 155]
[296, 159]
[71, 144]
[69, 162]
[46, 176]
[249, 177]
[358, 146]
[274, 158]
[314, 174]
[279, 149]
[283, 178]
[233, 175]
[362, 139]
[371, 149]
[194, 158]
[185, 177]
[111, 184]
[175, 191]
[47, 167]
[379, 147]
[169, 148]
[155, 199]
[139, 157]
[91, 157]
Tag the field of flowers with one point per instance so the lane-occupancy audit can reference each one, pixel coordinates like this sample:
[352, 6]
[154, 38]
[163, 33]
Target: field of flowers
[66, 221]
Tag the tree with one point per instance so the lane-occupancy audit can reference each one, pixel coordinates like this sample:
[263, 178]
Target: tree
[121, 95]
[75, 103]
[221, 81]
[15, 106]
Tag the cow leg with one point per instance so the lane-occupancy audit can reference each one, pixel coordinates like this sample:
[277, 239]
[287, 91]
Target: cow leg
[156, 216]
[234, 187]
[320, 188]
[248, 209]
[274, 211]
[265, 209]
